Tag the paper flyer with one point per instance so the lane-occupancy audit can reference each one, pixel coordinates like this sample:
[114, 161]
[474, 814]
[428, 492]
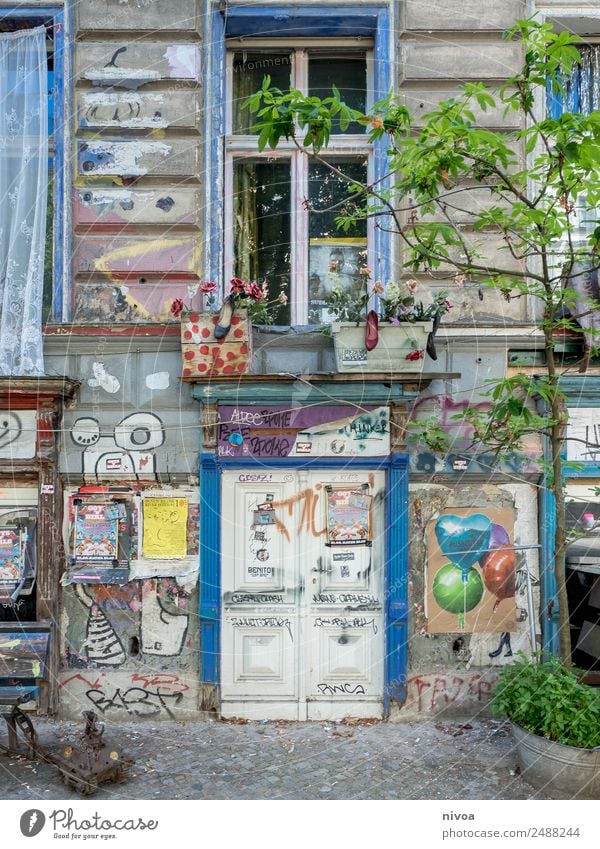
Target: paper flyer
[96, 532]
[348, 517]
[165, 523]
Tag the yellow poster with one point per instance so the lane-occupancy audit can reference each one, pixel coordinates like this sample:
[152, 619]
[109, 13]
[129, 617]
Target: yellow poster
[165, 524]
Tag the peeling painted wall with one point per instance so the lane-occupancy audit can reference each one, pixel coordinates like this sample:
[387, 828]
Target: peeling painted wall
[137, 159]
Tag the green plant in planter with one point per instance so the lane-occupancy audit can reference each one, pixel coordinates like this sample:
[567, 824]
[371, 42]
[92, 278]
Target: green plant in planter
[397, 304]
[549, 700]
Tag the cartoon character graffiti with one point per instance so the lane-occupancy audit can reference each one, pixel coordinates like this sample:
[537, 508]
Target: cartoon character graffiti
[131, 450]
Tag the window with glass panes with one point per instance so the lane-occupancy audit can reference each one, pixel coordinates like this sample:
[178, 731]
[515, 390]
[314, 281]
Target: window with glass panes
[581, 93]
[281, 206]
[29, 20]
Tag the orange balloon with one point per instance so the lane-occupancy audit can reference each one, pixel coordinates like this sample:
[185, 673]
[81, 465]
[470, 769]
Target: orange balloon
[499, 573]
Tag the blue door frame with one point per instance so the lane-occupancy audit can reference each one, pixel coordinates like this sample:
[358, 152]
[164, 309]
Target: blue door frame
[396, 558]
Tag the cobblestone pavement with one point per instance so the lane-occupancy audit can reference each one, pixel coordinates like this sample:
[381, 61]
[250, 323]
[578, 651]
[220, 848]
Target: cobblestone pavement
[316, 760]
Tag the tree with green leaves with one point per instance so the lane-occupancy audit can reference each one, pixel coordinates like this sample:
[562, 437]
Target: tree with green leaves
[531, 206]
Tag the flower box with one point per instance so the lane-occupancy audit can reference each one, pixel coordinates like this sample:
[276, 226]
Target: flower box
[205, 356]
[396, 343]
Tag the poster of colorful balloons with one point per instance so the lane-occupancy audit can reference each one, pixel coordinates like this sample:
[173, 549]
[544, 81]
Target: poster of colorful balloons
[471, 571]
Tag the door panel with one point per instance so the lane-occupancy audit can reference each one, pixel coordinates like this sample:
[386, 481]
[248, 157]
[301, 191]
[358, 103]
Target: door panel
[259, 580]
[302, 626]
[345, 612]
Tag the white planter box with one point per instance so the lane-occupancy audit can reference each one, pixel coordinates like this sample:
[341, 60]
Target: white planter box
[395, 342]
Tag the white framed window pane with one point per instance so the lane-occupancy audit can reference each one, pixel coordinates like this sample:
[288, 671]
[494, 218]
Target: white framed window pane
[262, 222]
[336, 258]
[249, 70]
[348, 72]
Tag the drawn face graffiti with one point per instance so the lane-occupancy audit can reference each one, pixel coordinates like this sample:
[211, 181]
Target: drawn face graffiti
[10, 428]
[130, 451]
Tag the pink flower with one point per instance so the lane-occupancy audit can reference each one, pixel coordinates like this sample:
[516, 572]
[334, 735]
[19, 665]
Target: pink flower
[177, 307]
[254, 291]
[237, 286]
[415, 355]
[447, 305]
[412, 286]
[378, 288]
[208, 286]
[282, 298]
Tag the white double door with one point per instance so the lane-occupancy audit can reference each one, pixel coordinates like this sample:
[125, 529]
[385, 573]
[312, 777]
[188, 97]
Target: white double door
[302, 604]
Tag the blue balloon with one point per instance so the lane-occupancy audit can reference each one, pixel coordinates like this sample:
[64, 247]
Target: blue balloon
[463, 539]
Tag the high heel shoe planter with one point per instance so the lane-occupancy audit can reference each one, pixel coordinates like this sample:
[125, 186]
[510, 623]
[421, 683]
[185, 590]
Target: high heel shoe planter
[205, 355]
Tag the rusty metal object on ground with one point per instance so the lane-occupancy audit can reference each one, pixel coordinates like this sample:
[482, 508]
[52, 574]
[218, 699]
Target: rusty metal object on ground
[93, 761]
[19, 724]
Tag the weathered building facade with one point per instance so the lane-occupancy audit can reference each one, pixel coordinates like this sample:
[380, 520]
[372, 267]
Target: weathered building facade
[194, 565]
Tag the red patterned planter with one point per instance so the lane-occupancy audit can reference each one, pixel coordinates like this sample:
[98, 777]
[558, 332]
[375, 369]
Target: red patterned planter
[205, 356]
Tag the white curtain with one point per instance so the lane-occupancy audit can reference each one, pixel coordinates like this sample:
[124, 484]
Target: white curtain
[23, 190]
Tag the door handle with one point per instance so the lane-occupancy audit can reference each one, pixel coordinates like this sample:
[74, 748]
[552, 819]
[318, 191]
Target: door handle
[319, 568]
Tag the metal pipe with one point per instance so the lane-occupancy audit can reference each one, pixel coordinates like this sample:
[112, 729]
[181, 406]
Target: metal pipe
[498, 548]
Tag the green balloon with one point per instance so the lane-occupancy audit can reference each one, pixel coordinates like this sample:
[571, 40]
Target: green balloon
[452, 594]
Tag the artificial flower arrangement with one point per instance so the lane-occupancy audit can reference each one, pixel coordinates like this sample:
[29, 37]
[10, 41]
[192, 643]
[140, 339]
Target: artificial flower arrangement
[396, 304]
[252, 297]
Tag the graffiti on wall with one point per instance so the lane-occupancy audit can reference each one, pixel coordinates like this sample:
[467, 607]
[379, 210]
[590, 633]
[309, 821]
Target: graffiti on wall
[18, 432]
[102, 644]
[463, 455]
[163, 631]
[151, 616]
[130, 449]
[437, 691]
[471, 571]
[318, 431]
[144, 695]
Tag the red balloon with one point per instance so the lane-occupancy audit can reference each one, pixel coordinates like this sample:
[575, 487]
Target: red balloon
[499, 573]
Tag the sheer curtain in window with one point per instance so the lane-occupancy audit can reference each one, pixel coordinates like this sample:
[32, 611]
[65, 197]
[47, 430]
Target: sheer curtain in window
[23, 189]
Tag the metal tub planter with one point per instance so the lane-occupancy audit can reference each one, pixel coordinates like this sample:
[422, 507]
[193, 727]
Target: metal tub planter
[555, 720]
[563, 771]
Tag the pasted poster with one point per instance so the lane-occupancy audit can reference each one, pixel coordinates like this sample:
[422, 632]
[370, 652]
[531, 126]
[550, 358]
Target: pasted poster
[317, 431]
[348, 517]
[10, 554]
[96, 532]
[23, 654]
[165, 528]
[471, 571]
[583, 435]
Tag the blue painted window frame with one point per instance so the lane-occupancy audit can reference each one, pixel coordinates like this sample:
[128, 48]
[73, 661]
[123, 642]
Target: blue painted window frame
[372, 21]
[54, 15]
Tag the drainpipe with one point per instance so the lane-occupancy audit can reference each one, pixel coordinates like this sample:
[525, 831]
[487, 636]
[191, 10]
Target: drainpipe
[549, 610]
